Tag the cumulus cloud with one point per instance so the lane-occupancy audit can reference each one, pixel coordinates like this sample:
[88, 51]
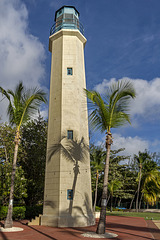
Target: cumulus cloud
[132, 145]
[147, 102]
[22, 55]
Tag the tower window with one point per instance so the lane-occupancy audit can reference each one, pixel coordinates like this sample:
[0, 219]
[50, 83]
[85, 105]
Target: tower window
[69, 71]
[69, 194]
[70, 134]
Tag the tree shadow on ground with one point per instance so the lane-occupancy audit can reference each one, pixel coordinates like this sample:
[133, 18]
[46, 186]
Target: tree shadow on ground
[44, 234]
[127, 227]
[2, 233]
[117, 229]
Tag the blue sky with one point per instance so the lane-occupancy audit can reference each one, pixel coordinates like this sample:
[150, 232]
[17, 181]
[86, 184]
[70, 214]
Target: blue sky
[123, 41]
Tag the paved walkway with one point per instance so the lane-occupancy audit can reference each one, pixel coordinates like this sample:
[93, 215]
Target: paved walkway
[127, 228]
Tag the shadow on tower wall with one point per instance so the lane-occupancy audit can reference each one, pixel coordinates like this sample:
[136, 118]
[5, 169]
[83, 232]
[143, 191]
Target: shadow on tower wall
[75, 151]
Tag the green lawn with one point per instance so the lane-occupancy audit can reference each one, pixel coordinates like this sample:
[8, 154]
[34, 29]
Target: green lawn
[145, 215]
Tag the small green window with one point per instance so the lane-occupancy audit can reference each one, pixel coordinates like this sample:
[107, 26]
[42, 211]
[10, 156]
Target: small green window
[70, 134]
[69, 71]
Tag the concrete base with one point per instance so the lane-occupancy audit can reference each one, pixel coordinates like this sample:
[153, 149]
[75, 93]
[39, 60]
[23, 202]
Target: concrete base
[35, 221]
[12, 229]
[67, 221]
[95, 235]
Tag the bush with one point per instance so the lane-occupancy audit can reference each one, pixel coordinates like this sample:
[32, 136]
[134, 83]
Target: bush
[98, 209]
[3, 212]
[33, 211]
[18, 212]
[21, 212]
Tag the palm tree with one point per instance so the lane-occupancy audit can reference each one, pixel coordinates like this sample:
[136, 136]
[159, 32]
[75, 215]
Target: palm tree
[109, 113]
[113, 186]
[151, 182]
[151, 189]
[97, 163]
[23, 103]
[141, 158]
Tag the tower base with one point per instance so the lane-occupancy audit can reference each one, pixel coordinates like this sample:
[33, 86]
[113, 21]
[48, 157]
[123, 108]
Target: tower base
[67, 221]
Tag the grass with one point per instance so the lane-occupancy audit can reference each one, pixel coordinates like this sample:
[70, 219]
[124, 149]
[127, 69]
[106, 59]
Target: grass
[145, 215]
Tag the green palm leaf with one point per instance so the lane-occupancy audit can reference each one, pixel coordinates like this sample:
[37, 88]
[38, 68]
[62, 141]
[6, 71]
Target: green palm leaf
[111, 110]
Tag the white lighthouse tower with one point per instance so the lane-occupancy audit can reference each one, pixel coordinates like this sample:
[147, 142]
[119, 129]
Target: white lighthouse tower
[67, 196]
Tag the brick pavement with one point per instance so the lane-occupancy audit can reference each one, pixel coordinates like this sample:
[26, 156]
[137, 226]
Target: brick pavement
[127, 228]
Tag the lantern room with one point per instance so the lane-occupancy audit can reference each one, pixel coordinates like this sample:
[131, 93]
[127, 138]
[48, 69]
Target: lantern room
[67, 17]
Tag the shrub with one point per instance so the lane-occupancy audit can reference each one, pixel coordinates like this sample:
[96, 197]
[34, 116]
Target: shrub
[98, 209]
[33, 211]
[19, 212]
[3, 212]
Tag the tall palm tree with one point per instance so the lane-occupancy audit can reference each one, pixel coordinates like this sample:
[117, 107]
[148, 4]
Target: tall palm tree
[23, 103]
[97, 162]
[141, 158]
[109, 112]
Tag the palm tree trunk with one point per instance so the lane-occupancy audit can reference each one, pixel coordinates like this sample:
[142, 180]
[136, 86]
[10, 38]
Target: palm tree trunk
[139, 183]
[140, 201]
[119, 202]
[8, 222]
[111, 202]
[102, 221]
[115, 201]
[95, 198]
[132, 200]
[108, 198]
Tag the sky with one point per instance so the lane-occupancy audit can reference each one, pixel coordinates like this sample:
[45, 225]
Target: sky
[123, 42]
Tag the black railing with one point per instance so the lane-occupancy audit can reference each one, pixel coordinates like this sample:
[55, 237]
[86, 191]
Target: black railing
[67, 23]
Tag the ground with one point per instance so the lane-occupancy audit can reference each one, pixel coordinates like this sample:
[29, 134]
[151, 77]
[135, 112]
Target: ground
[127, 228]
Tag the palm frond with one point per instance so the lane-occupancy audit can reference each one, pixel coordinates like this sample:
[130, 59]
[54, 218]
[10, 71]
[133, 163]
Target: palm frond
[4, 92]
[31, 100]
[22, 103]
[112, 110]
[99, 117]
[10, 109]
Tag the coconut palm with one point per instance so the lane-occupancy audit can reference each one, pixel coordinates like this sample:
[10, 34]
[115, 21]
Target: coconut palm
[109, 112]
[97, 163]
[23, 103]
[151, 188]
[141, 158]
[151, 182]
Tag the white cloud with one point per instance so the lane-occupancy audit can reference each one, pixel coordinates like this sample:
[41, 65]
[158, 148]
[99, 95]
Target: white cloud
[132, 145]
[147, 102]
[22, 55]
[44, 113]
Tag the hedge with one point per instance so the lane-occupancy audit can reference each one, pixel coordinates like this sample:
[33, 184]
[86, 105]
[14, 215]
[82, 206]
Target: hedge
[21, 212]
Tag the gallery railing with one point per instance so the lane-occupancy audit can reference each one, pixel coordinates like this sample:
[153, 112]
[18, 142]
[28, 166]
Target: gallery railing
[67, 23]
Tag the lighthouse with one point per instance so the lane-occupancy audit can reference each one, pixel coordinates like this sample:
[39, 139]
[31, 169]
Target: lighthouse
[67, 191]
